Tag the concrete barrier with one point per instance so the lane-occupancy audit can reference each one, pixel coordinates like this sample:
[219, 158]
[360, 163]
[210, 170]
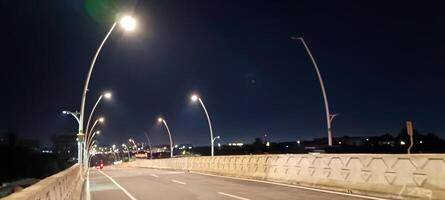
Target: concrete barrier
[65, 185]
[395, 176]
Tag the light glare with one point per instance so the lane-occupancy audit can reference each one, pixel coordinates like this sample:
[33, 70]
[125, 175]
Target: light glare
[128, 23]
[107, 95]
[194, 97]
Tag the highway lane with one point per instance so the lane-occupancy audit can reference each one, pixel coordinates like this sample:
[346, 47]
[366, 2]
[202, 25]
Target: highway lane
[142, 183]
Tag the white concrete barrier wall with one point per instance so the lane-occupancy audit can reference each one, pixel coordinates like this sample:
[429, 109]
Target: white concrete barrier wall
[418, 176]
[65, 185]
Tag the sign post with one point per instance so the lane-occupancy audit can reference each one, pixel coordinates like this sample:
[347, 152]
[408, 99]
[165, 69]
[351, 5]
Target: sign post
[409, 131]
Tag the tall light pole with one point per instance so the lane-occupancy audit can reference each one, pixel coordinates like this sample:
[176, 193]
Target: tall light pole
[149, 144]
[90, 144]
[135, 147]
[169, 135]
[128, 151]
[128, 23]
[114, 152]
[195, 98]
[89, 156]
[79, 143]
[329, 116]
[90, 136]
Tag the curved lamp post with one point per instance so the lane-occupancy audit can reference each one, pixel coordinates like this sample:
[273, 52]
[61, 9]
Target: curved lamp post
[128, 151]
[329, 116]
[90, 136]
[135, 147]
[74, 114]
[169, 135]
[107, 95]
[90, 144]
[90, 156]
[196, 98]
[149, 144]
[127, 23]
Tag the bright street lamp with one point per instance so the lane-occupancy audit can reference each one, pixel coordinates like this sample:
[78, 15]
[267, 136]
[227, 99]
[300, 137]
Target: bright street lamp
[128, 24]
[195, 98]
[169, 135]
[329, 116]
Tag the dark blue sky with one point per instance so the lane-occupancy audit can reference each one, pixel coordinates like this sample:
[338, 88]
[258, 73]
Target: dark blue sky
[382, 63]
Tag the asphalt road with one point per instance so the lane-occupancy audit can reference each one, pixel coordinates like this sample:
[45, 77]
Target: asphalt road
[142, 183]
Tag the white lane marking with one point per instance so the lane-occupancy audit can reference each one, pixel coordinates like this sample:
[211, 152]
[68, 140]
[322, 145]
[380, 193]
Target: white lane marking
[180, 182]
[119, 186]
[233, 196]
[154, 175]
[293, 186]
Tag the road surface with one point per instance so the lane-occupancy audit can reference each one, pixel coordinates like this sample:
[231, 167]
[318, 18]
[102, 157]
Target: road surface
[142, 183]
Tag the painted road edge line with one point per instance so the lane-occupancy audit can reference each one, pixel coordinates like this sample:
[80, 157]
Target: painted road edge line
[119, 186]
[88, 186]
[180, 182]
[293, 186]
[233, 196]
[154, 175]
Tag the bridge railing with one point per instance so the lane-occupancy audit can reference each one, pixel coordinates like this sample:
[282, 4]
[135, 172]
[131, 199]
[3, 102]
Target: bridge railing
[65, 185]
[398, 176]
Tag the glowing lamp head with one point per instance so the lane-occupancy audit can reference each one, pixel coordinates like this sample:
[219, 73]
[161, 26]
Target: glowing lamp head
[64, 112]
[101, 119]
[107, 95]
[218, 137]
[160, 119]
[128, 23]
[98, 132]
[194, 98]
[114, 146]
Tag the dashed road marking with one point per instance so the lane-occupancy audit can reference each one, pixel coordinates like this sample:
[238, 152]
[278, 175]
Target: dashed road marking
[154, 175]
[233, 196]
[293, 186]
[180, 182]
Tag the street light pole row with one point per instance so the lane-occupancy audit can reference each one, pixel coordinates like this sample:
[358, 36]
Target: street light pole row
[194, 98]
[128, 23]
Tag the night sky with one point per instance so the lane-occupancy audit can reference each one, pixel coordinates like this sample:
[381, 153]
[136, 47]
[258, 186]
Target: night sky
[382, 63]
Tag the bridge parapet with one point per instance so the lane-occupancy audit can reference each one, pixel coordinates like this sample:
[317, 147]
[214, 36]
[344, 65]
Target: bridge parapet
[65, 185]
[398, 176]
